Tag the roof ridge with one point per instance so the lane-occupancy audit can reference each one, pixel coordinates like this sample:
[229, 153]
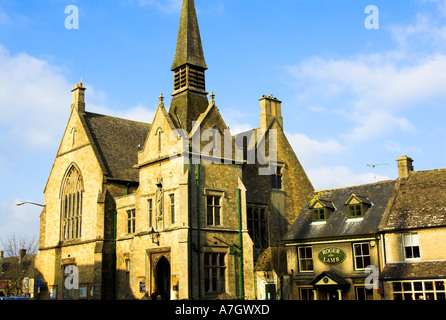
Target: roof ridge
[428, 170]
[114, 117]
[356, 186]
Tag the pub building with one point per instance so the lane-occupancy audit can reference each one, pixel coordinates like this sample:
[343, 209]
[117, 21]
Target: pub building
[379, 241]
[333, 248]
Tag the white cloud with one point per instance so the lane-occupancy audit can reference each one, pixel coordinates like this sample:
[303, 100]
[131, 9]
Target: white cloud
[96, 101]
[376, 123]
[19, 219]
[329, 177]
[374, 89]
[312, 152]
[428, 28]
[236, 120]
[138, 113]
[33, 101]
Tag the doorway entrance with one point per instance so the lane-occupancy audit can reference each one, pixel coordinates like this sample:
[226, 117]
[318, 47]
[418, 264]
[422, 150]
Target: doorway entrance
[162, 278]
[333, 294]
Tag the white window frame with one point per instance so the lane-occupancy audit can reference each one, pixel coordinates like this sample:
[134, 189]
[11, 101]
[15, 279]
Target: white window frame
[300, 259]
[412, 243]
[361, 255]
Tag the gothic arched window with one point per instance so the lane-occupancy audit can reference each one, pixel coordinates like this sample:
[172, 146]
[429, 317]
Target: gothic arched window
[71, 204]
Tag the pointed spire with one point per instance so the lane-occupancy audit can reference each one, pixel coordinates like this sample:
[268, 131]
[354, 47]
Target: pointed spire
[189, 97]
[189, 49]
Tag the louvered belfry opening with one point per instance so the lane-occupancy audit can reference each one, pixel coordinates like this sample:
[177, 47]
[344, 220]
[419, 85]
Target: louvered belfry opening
[189, 77]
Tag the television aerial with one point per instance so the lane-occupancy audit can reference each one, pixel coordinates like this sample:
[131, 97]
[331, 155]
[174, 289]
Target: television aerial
[375, 165]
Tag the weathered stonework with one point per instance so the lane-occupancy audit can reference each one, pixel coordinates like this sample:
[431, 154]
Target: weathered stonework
[154, 218]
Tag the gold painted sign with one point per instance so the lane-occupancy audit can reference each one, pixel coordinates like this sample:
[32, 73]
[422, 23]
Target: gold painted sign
[332, 255]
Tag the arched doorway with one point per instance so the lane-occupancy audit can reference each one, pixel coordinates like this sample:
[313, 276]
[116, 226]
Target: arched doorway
[162, 278]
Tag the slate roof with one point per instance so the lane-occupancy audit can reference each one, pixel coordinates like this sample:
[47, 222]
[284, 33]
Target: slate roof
[420, 202]
[117, 143]
[415, 270]
[337, 225]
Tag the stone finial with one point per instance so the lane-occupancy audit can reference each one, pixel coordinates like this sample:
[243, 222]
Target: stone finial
[212, 96]
[161, 98]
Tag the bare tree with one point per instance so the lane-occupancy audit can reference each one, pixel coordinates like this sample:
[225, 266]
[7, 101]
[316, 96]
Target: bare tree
[18, 260]
[13, 243]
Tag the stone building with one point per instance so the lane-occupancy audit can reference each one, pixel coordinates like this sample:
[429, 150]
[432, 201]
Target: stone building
[334, 240]
[17, 275]
[381, 241]
[179, 206]
[413, 236]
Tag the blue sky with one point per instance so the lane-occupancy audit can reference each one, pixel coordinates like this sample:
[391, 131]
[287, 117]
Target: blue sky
[351, 96]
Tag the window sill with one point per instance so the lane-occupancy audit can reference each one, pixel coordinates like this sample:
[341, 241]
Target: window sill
[355, 219]
[412, 260]
[316, 223]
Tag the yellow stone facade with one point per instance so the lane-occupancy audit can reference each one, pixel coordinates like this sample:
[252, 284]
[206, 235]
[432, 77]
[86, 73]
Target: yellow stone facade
[150, 215]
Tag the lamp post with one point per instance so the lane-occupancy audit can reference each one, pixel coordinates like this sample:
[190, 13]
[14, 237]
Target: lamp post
[23, 202]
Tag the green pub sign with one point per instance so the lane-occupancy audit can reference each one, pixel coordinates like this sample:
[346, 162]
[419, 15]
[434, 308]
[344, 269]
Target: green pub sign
[331, 255]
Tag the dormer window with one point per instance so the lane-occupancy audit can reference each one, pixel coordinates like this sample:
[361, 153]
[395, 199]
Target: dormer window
[357, 206]
[319, 214]
[320, 210]
[355, 211]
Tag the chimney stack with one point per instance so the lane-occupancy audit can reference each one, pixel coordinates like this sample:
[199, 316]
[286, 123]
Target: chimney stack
[404, 166]
[78, 98]
[270, 108]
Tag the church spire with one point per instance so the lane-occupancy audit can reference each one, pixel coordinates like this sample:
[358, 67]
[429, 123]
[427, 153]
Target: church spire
[189, 49]
[189, 97]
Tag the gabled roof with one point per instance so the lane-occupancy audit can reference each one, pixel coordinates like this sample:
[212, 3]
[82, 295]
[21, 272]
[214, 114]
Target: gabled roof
[338, 224]
[325, 203]
[333, 276]
[117, 142]
[360, 198]
[420, 202]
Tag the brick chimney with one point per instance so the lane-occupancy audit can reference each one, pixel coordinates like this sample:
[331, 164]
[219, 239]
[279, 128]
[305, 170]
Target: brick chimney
[404, 166]
[270, 108]
[78, 98]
